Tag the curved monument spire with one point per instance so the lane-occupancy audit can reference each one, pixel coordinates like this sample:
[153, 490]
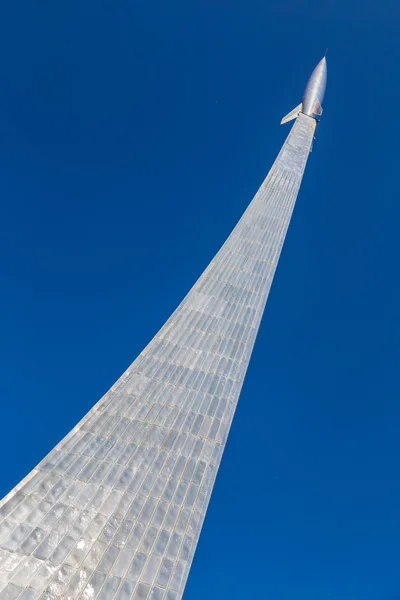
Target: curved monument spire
[116, 509]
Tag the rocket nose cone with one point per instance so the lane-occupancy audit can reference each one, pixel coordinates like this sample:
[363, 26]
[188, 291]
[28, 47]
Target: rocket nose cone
[319, 74]
[322, 64]
[321, 71]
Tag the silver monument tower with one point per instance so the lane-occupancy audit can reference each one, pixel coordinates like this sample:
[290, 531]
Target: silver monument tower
[116, 509]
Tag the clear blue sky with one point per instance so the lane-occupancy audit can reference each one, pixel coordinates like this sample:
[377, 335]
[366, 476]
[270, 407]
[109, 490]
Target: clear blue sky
[132, 136]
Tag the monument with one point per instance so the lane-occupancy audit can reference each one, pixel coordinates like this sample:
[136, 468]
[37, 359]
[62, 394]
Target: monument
[116, 509]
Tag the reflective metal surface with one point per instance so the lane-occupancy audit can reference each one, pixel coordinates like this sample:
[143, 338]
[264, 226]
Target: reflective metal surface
[314, 93]
[315, 90]
[116, 509]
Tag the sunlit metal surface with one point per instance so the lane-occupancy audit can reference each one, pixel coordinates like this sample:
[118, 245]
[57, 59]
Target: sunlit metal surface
[313, 94]
[315, 90]
[116, 509]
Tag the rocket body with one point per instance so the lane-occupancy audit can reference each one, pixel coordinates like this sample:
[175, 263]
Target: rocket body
[313, 94]
[315, 90]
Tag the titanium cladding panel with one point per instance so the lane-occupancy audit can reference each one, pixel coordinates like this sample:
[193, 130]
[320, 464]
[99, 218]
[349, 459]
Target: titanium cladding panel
[116, 509]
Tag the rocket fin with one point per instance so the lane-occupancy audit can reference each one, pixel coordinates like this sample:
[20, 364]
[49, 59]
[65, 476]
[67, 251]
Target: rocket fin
[293, 114]
[317, 108]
